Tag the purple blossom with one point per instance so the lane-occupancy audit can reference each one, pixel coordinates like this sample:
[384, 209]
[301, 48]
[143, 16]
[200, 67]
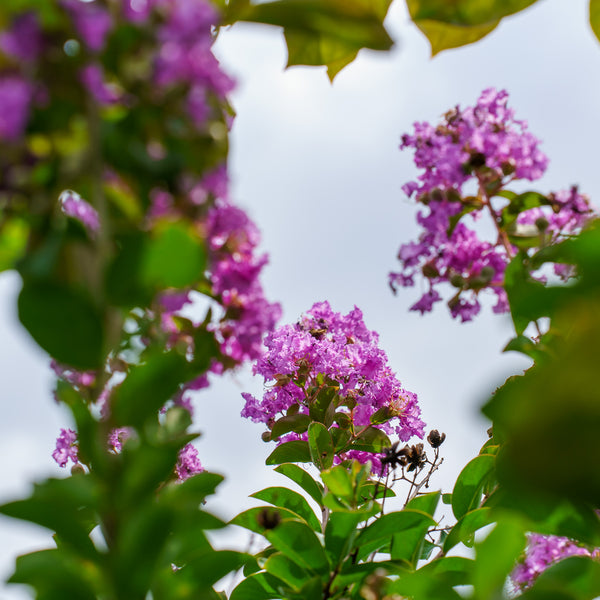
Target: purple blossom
[74, 377]
[23, 40]
[74, 206]
[92, 77]
[337, 348]
[137, 11]
[16, 96]
[117, 438]
[66, 448]
[91, 20]
[483, 148]
[542, 552]
[188, 463]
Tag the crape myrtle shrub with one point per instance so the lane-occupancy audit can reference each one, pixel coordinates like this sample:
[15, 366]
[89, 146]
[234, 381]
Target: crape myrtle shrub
[115, 211]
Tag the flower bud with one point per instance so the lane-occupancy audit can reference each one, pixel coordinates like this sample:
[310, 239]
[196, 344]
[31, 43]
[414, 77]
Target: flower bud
[268, 518]
[487, 273]
[457, 280]
[77, 469]
[435, 438]
[430, 270]
[542, 224]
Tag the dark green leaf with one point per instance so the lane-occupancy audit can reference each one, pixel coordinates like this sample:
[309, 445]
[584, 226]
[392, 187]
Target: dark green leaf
[210, 566]
[254, 519]
[64, 322]
[320, 445]
[426, 503]
[468, 489]
[298, 423]
[280, 496]
[289, 452]
[372, 440]
[340, 532]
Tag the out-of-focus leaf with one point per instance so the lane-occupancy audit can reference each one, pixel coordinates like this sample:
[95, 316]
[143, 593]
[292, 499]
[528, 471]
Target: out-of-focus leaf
[459, 22]
[280, 496]
[320, 445]
[64, 322]
[55, 574]
[550, 416]
[303, 479]
[175, 257]
[324, 32]
[464, 530]
[496, 557]
[63, 506]
[13, 242]
[539, 352]
[210, 566]
[595, 17]
[469, 486]
[294, 451]
[148, 386]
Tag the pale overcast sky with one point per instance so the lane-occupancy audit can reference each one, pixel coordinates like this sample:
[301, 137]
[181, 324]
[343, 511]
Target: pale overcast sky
[318, 168]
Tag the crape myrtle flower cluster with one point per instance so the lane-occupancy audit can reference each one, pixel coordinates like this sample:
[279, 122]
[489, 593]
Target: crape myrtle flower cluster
[467, 161]
[542, 552]
[326, 348]
[188, 462]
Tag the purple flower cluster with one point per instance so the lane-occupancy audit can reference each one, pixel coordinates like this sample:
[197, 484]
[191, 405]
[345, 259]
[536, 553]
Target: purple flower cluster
[66, 448]
[542, 552]
[467, 161]
[338, 348]
[188, 463]
[74, 206]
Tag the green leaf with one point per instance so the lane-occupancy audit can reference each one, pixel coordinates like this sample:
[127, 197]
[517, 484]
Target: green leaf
[520, 203]
[298, 423]
[496, 557]
[210, 566]
[324, 32]
[340, 533]
[64, 506]
[64, 322]
[55, 574]
[595, 17]
[407, 544]
[254, 518]
[287, 570]
[372, 440]
[303, 479]
[452, 24]
[539, 352]
[405, 522]
[280, 496]
[468, 488]
[290, 452]
[13, 242]
[147, 387]
[260, 586]
[426, 503]
[322, 408]
[464, 531]
[320, 445]
[339, 482]
[299, 542]
[175, 257]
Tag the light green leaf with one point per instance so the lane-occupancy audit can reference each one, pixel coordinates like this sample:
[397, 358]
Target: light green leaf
[289, 452]
[595, 17]
[303, 479]
[464, 530]
[320, 445]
